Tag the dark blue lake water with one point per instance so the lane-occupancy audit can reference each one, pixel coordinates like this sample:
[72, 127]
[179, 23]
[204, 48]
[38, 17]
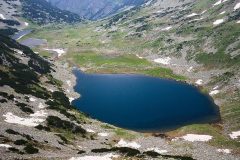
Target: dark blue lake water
[142, 103]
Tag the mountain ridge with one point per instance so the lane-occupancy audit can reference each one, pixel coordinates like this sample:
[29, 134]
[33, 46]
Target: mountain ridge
[95, 9]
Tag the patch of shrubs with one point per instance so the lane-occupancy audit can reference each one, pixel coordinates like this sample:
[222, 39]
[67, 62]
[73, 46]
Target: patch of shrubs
[10, 22]
[61, 98]
[155, 155]
[5, 95]
[55, 106]
[8, 31]
[130, 152]
[54, 81]
[15, 150]
[123, 150]
[3, 101]
[24, 108]
[20, 142]
[43, 128]
[30, 149]
[56, 122]
[81, 152]
[10, 131]
[64, 139]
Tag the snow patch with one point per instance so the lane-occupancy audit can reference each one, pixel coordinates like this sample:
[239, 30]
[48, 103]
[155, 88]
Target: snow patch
[191, 15]
[237, 6]
[26, 23]
[235, 135]
[90, 131]
[214, 92]
[2, 16]
[71, 99]
[218, 21]
[164, 61]
[139, 56]
[59, 51]
[196, 19]
[123, 143]
[31, 122]
[5, 145]
[103, 134]
[223, 12]
[238, 22]
[199, 82]
[227, 151]
[41, 113]
[105, 157]
[216, 87]
[167, 28]
[148, 3]
[157, 150]
[69, 83]
[217, 3]
[190, 69]
[31, 99]
[204, 11]
[197, 137]
[18, 51]
[41, 106]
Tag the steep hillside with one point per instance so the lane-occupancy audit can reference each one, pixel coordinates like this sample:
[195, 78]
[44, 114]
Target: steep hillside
[33, 105]
[95, 9]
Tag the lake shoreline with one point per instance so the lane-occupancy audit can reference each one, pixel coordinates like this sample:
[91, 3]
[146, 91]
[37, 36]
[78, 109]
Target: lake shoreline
[118, 77]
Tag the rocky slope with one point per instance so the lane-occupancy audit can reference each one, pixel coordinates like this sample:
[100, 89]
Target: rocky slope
[95, 9]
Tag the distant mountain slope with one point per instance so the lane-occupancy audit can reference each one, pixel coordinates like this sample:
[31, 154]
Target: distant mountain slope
[42, 12]
[95, 9]
[9, 17]
[16, 15]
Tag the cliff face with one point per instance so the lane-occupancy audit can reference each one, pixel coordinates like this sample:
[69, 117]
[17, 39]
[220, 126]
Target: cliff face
[94, 9]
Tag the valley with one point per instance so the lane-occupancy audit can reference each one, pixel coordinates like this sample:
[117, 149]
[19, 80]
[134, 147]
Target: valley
[194, 42]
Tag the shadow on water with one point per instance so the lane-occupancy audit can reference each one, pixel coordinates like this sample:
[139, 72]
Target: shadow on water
[142, 103]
